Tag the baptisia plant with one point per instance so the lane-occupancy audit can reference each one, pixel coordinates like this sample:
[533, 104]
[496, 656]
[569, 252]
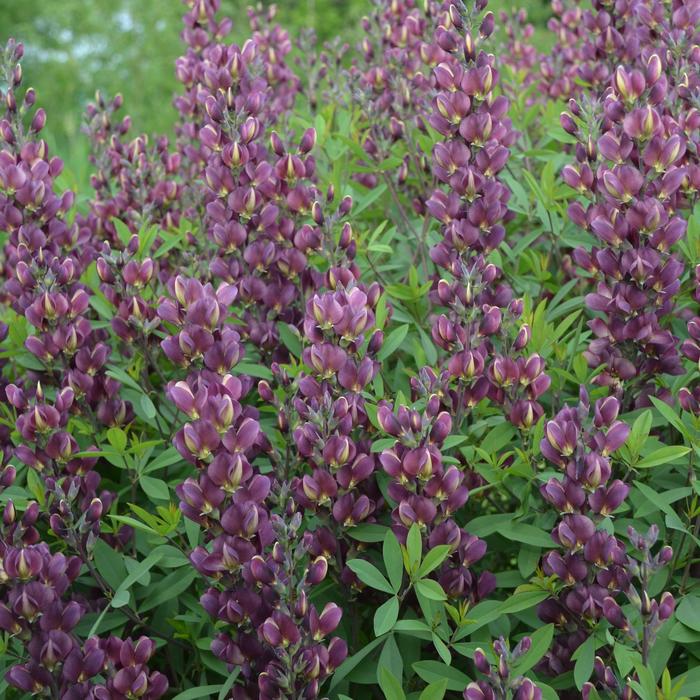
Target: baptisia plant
[377, 378]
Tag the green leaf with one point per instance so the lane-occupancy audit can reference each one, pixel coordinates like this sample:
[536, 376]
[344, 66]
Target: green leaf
[155, 488]
[485, 525]
[528, 559]
[147, 406]
[672, 519]
[385, 616]
[370, 575]
[109, 563]
[541, 639]
[201, 691]
[688, 612]
[390, 686]
[671, 416]
[140, 569]
[120, 599]
[381, 445]
[253, 370]
[411, 627]
[134, 523]
[431, 355]
[625, 658]
[124, 234]
[585, 656]
[226, 687]
[368, 532]
[691, 682]
[371, 197]
[390, 657]
[381, 312]
[168, 588]
[527, 534]
[290, 338]
[433, 559]
[99, 302]
[124, 377]
[647, 683]
[392, 342]
[442, 650]
[498, 437]
[193, 532]
[639, 433]
[164, 459]
[452, 441]
[393, 560]
[430, 589]
[664, 455]
[414, 546]
[683, 635]
[434, 691]
[117, 439]
[432, 671]
[35, 486]
[522, 601]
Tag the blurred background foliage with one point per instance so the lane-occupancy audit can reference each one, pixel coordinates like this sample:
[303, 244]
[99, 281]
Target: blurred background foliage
[74, 47]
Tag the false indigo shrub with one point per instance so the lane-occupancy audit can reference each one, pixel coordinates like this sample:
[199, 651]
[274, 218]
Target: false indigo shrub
[378, 380]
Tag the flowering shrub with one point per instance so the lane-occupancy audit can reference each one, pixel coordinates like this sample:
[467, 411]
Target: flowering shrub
[377, 380]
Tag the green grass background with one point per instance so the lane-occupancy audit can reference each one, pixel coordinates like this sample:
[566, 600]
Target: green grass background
[74, 47]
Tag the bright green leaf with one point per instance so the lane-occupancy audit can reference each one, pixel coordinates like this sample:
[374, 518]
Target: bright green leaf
[385, 616]
[370, 575]
[393, 560]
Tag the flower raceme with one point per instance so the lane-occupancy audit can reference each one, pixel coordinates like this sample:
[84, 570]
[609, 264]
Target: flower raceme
[429, 494]
[637, 168]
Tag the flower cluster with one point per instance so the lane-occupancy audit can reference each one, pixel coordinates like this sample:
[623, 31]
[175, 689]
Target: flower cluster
[135, 181]
[500, 678]
[259, 203]
[246, 545]
[634, 172]
[329, 405]
[279, 640]
[472, 212]
[592, 42]
[322, 412]
[51, 406]
[429, 494]
[642, 619]
[38, 609]
[395, 90]
[689, 397]
[67, 354]
[590, 562]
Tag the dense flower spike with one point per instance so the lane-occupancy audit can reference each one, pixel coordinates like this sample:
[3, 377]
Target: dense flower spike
[590, 562]
[135, 182]
[37, 609]
[400, 53]
[634, 170]
[45, 258]
[592, 42]
[481, 333]
[500, 678]
[279, 638]
[429, 494]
